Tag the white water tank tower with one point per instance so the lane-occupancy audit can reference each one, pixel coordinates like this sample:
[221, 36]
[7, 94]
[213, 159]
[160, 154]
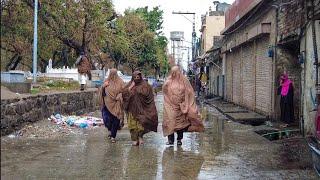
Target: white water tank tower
[177, 38]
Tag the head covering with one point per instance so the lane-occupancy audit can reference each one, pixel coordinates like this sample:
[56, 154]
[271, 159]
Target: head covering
[137, 73]
[139, 101]
[113, 99]
[180, 109]
[285, 84]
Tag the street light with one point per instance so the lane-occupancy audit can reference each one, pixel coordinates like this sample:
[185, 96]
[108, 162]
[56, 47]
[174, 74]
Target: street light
[193, 31]
[35, 41]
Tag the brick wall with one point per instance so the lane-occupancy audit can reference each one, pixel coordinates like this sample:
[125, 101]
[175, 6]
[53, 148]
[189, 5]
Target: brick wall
[291, 17]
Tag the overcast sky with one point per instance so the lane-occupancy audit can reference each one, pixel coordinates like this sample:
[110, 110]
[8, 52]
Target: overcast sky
[173, 22]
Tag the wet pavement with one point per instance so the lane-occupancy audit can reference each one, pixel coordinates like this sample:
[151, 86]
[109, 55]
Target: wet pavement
[226, 150]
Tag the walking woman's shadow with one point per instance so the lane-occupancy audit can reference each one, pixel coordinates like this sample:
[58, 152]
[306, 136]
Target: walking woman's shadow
[180, 164]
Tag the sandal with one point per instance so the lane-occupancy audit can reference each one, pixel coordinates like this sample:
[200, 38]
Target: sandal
[109, 136]
[169, 143]
[179, 143]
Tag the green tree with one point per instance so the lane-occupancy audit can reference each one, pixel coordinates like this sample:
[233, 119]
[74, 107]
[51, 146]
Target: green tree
[156, 55]
[78, 25]
[130, 42]
[65, 28]
[15, 34]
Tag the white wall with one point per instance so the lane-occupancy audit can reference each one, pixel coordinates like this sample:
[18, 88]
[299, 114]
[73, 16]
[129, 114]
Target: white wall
[309, 78]
[64, 72]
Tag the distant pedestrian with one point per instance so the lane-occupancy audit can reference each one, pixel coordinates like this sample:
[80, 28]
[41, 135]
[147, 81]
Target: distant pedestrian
[180, 109]
[140, 107]
[112, 104]
[84, 69]
[155, 86]
[286, 101]
[198, 84]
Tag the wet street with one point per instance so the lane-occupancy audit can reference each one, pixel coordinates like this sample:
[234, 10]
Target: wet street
[226, 150]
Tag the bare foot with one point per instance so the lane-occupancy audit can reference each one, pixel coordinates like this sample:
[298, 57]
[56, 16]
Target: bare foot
[113, 140]
[135, 143]
[141, 141]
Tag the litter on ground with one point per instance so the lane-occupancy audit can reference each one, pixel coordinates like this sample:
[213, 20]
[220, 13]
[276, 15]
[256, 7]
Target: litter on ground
[85, 121]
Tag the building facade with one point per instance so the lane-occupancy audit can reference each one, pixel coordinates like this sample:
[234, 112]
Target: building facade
[212, 25]
[263, 40]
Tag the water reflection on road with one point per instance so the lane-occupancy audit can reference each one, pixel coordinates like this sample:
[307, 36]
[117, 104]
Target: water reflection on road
[226, 150]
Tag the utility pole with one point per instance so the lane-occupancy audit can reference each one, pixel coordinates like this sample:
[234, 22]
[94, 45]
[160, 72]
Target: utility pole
[35, 41]
[193, 31]
[187, 48]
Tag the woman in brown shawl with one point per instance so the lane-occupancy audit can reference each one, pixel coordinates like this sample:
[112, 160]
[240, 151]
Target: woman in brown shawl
[180, 109]
[112, 102]
[141, 109]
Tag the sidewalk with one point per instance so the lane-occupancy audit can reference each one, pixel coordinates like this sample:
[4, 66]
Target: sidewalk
[236, 112]
[272, 130]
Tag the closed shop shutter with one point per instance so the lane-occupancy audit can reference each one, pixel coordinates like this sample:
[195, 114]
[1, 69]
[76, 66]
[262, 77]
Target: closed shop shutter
[248, 79]
[210, 80]
[236, 64]
[229, 76]
[221, 85]
[263, 76]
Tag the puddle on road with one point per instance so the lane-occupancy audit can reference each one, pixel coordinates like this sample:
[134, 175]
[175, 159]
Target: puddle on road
[219, 152]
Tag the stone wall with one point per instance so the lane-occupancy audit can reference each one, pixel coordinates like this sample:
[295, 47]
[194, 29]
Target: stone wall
[15, 113]
[22, 87]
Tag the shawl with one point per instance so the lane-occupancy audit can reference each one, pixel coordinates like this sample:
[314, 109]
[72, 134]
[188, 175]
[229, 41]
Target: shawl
[84, 65]
[285, 85]
[139, 101]
[113, 99]
[180, 109]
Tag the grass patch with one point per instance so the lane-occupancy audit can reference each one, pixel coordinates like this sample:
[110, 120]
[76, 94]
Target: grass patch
[35, 91]
[54, 86]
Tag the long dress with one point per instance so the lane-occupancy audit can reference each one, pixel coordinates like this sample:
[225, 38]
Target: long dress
[112, 103]
[180, 109]
[111, 122]
[286, 105]
[141, 109]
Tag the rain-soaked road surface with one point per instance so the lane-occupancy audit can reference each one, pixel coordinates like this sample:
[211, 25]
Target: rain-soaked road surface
[226, 150]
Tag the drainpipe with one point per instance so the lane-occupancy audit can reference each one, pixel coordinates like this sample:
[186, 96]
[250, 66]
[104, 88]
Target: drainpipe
[315, 50]
[275, 56]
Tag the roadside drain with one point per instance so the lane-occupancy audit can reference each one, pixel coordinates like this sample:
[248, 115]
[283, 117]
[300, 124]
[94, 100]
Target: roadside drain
[273, 135]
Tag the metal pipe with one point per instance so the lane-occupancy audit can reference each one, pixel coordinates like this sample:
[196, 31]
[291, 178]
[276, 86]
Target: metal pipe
[315, 48]
[35, 41]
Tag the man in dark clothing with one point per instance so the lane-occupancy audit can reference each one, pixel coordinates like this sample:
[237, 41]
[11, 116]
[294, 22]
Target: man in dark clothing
[84, 69]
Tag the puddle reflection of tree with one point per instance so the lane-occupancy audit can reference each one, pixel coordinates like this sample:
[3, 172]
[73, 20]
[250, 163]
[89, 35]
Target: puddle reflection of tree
[180, 164]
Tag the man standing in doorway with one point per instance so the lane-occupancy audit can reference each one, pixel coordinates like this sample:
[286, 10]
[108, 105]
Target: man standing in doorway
[84, 69]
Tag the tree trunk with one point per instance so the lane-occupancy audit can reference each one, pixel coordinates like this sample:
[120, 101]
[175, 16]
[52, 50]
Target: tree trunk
[14, 62]
[43, 65]
[65, 57]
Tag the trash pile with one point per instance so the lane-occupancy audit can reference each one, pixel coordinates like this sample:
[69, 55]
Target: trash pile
[85, 121]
